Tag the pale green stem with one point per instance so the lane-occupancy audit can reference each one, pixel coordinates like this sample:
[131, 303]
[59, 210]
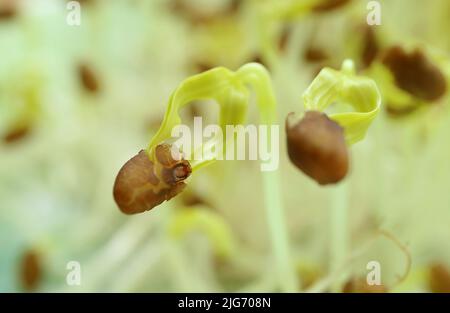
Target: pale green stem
[257, 76]
[286, 276]
[182, 273]
[275, 14]
[339, 235]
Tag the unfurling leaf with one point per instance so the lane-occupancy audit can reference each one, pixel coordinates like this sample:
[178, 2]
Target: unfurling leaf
[345, 89]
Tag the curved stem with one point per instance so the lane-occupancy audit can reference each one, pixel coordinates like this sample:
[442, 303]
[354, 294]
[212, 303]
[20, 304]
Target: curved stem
[257, 76]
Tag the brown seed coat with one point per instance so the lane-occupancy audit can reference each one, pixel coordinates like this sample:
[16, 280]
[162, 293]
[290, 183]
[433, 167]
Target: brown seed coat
[439, 278]
[142, 184]
[414, 73]
[316, 145]
[30, 270]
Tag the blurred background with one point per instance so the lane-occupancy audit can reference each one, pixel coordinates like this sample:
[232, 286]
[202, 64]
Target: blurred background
[76, 102]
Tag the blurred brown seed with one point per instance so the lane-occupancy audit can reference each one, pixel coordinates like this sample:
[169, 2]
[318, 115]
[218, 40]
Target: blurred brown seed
[200, 67]
[30, 270]
[370, 47]
[414, 73]
[8, 9]
[284, 37]
[359, 285]
[142, 184]
[16, 134]
[395, 112]
[439, 278]
[315, 55]
[329, 5]
[88, 79]
[316, 145]
[192, 200]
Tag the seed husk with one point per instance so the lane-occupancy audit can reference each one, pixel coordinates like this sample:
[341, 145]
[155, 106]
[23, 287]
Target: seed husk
[88, 78]
[316, 145]
[396, 112]
[439, 281]
[315, 55]
[16, 134]
[284, 37]
[370, 48]
[414, 73]
[8, 9]
[30, 270]
[142, 184]
[329, 5]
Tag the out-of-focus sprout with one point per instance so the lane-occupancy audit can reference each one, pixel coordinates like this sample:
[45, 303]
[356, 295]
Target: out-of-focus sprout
[353, 283]
[18, 121]
[272, 14]
[209, 223]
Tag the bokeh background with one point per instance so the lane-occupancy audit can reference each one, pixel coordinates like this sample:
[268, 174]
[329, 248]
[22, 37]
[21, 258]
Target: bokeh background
[76, 102]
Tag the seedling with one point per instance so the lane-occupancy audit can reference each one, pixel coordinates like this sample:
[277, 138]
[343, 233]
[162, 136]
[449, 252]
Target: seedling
[317, 144]
[159, 172]
[135, 187]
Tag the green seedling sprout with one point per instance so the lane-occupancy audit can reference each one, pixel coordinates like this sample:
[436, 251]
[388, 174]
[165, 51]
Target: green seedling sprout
[20, 120]
[352, 102]
[340, 106]
[203, 219]
[231, 91]
[345, 88]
